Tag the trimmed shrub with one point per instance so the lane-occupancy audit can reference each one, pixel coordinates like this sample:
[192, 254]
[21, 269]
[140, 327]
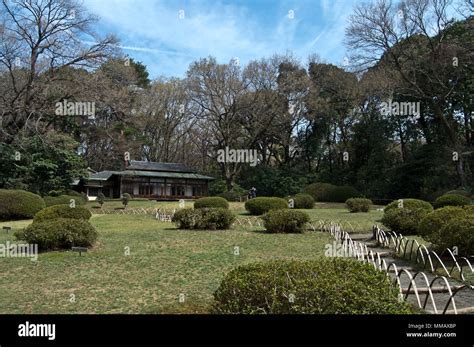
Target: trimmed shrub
[202, 218]
[409, 204]
[342, 193]
[406, 219]
[303, 201]
[358, 204]
[451, 200]
[285, 221]
[403, 221]
[261, 205]
[430, 226]
[216, 219]
[211, 202]
[457, 233]
[187, 218]
[19, 204]
[319, 191]
[62, 211]
[63, 200]
[230, 196]
[321, 286]
[469, 209]
[459, 192]
[62, 233]
[330, 193]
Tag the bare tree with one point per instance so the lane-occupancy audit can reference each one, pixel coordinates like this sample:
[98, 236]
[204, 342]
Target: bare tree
[38, 38]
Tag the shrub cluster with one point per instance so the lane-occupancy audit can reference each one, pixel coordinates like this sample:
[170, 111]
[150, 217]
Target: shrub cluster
[459, 234]
[62, 211]
[432, 228]
[19, 204]
[322, 286]
[404, 216]
[358, 204]
[451, 200]
[261, 205]
[303, 201]
[64, 199]
[61, 233]
[204, 218]
[211, 202]
[285, 221]
[330, 193]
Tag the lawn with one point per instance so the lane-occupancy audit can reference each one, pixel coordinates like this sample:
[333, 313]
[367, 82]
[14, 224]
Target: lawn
[163, 265]
[352, 222]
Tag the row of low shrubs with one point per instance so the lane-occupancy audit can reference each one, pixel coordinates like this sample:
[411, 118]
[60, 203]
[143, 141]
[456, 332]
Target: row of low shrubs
[212, 213]
[445, 227]
[204, 218]
[20, 204]
[321, 286]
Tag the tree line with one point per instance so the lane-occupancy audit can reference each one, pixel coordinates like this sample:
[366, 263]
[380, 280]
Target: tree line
[394, 121]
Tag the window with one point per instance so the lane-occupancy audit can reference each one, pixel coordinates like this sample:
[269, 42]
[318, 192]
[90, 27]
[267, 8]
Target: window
[144, 189]
[197, 191]
[177, 190]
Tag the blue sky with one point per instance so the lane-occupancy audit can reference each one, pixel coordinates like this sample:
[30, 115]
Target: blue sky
[152, 31]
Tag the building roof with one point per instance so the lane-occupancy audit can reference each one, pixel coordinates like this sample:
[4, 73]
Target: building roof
[152, 166]
[105, 175]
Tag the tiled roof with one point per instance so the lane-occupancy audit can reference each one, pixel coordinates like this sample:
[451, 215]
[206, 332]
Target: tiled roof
[105, 175]
[152, 166]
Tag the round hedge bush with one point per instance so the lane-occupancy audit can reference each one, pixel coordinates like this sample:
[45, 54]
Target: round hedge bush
[451, 200]
[457, 233]
[211, 202]
[204, 219]
[61, 233]
[406, 220]
[230, 196]
[261, 205]
[321, 286]
[319, 191]
[459, 192]
[285, 221]
[409, 204]
[19, 204]
[358, 204]
[430, 226]
[62, 211]
[63, 200]
[303, 201]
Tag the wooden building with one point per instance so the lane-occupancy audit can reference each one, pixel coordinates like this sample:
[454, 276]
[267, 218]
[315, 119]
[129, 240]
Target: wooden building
[140, 179]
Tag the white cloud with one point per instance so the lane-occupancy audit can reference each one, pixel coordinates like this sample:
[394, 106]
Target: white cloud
[220, 30]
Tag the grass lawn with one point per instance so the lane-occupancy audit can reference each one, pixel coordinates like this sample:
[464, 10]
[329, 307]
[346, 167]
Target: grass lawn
[358, 222]
[163, 263]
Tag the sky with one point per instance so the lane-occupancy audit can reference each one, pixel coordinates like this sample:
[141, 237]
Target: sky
[168, 35]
